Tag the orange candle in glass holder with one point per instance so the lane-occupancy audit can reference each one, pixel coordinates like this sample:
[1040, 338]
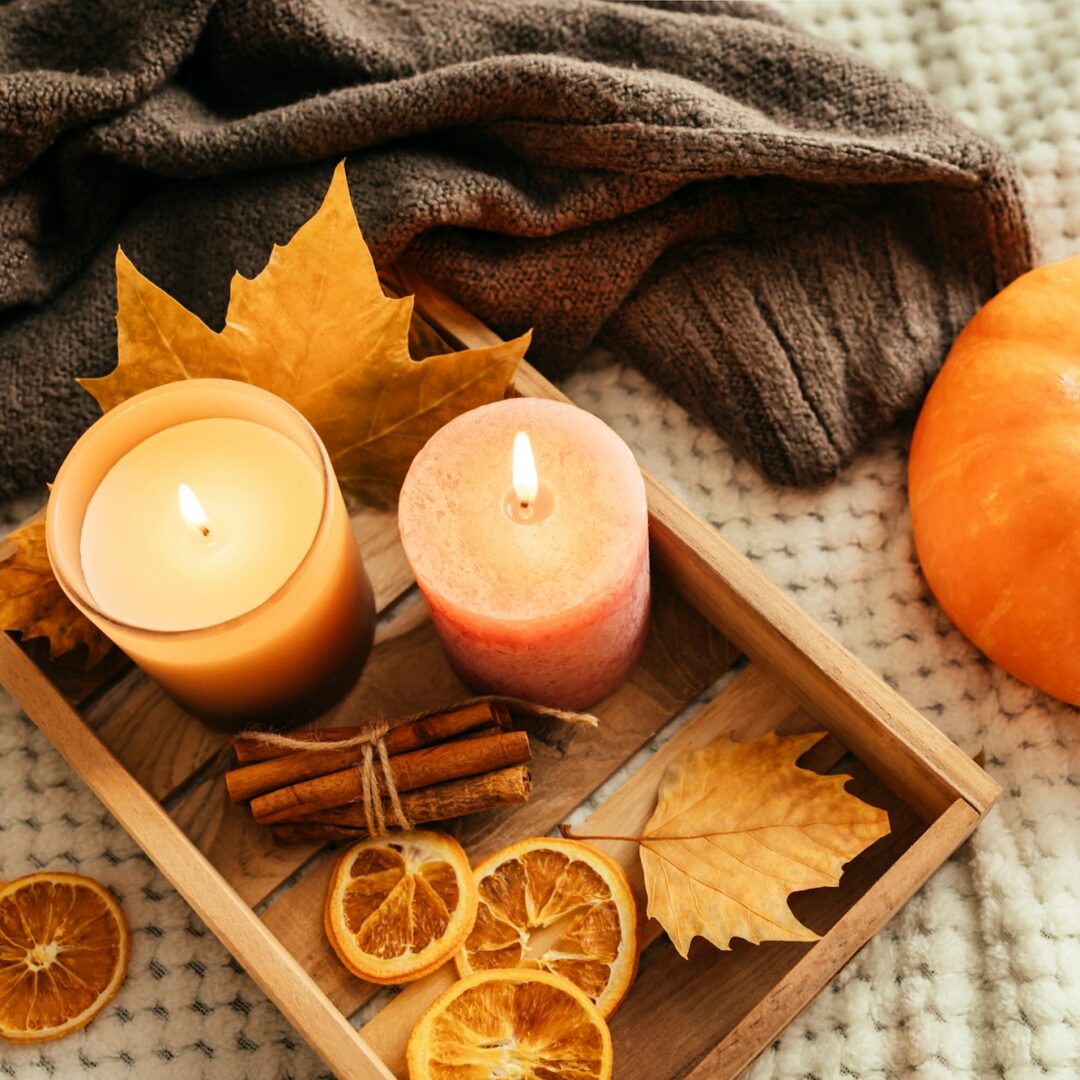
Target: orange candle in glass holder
[201, 527]
[526, 526]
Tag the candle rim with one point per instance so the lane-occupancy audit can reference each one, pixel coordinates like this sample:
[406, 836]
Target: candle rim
[586, 597]
[83, 598]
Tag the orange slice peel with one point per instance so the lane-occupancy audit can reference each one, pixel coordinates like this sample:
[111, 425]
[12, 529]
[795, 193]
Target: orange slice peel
[400, 906]
[511, 1022]
[64, 952]
[560, 906]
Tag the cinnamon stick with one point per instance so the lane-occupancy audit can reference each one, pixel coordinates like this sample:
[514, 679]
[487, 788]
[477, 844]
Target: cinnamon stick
[420, 769]
[427, 730]
[455, 798]
[272, 767]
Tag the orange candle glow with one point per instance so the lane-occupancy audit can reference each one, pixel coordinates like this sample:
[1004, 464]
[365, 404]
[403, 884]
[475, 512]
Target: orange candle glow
[201, 527]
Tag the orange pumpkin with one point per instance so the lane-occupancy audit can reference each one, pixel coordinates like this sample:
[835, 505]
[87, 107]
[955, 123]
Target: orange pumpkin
[994, 480]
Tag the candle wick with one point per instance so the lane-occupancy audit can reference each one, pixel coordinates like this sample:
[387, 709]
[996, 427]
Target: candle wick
[204, 530]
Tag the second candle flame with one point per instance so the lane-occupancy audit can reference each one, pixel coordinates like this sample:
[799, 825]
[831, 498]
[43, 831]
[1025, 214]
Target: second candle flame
[526, 482]
[191, 510]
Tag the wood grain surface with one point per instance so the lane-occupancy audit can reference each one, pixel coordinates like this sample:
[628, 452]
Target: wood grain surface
[649, 1020]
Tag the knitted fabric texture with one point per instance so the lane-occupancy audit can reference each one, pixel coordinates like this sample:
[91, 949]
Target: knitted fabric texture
[783, 236]
[978, 977]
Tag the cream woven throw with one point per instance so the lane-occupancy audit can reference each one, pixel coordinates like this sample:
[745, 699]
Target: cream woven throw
[979, 977]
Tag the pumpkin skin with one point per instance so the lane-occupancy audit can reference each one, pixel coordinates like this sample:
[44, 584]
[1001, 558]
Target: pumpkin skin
[994, 480]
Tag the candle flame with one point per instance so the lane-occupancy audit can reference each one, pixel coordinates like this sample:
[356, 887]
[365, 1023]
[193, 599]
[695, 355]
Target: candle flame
[526, 483]
[191, 510]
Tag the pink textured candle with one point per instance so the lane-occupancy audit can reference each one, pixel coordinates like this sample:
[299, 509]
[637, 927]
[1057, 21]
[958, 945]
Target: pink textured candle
[540, 592]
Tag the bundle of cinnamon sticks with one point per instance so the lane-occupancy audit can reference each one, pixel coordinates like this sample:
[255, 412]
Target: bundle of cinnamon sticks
[458, 762]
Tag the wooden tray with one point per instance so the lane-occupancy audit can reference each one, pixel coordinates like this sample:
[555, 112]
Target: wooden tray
[159, 772]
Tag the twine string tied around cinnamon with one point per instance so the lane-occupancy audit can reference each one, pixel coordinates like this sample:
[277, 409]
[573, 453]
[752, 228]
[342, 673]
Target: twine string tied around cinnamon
[374, 814]
[370, 742]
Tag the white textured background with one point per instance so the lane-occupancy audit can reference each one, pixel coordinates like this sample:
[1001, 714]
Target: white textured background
[980, 975]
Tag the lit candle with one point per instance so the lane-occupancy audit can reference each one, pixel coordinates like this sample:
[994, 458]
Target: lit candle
[201, 527]
[526, 526]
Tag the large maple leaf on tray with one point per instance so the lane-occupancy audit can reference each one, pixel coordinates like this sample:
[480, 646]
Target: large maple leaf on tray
[737, 828]
[315, 328]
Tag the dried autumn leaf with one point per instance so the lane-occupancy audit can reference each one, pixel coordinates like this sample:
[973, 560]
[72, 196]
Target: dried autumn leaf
[315, 328]
[737, 828]
[32, 602]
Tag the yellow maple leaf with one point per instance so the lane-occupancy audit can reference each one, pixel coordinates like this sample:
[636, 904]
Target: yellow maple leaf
[315, 328]
[737, 828]
[32, 602]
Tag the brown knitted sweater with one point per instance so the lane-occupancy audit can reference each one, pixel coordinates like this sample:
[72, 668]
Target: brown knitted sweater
[784, 237]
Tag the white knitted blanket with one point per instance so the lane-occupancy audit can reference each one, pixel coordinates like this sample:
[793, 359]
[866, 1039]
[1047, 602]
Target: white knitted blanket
[979, 976]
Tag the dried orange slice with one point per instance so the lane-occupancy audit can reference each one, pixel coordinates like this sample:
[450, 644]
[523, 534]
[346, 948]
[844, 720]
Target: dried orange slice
[399, 906]
[64, 949]
[527, 1024]
[559, 906]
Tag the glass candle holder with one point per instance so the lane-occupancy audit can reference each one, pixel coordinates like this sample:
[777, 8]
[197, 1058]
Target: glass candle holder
[200, 526]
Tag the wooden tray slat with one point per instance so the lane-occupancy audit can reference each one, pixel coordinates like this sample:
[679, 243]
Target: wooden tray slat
[160, 744]
[376, 532]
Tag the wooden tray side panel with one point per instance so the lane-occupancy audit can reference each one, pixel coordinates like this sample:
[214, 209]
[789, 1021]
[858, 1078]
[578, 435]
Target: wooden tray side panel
[281, 978]
[761, 1026]
[911, 755]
